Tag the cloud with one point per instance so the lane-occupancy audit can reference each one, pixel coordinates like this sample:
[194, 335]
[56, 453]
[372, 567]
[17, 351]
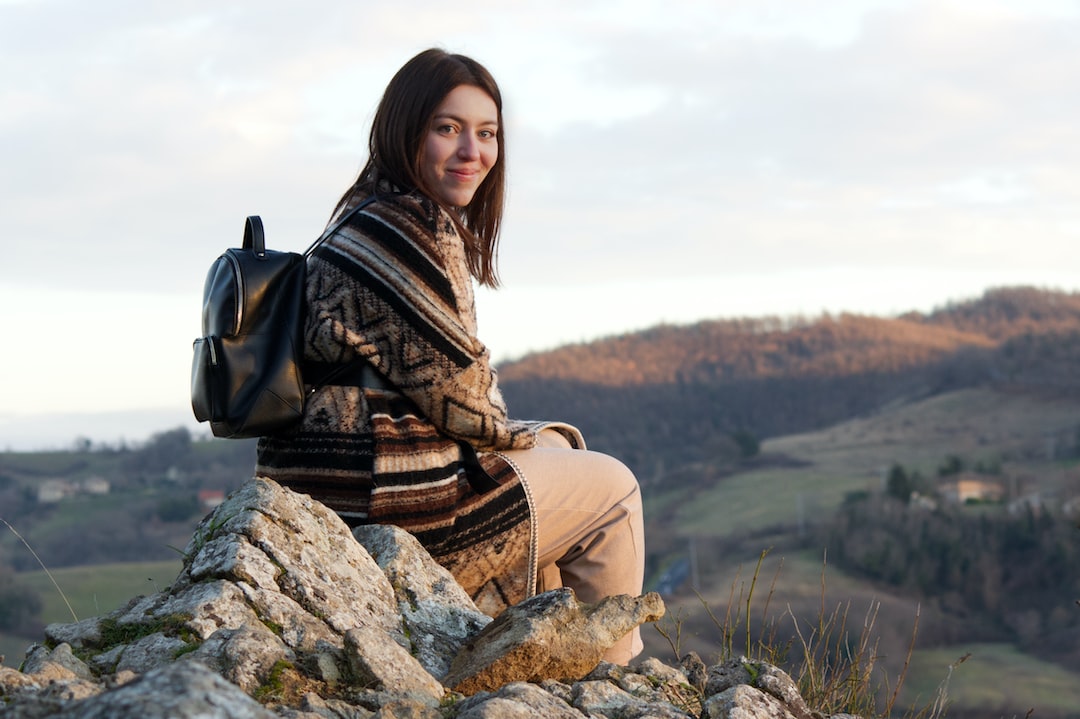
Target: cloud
[872, 151]
[755, 144]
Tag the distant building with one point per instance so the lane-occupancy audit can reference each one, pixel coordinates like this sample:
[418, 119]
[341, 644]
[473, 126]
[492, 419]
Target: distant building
[53, 490]
[96, 485]
[1071, 507]
[971, 487]
[210, 498]
[923, 502]
[1034, 502]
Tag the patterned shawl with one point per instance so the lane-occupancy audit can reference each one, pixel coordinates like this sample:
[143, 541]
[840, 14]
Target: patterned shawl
[392, 286]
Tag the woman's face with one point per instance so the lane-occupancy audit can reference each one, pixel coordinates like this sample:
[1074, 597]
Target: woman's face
[461, 145]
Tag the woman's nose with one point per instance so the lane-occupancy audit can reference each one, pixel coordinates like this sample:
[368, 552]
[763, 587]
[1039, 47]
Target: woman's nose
[468, 148]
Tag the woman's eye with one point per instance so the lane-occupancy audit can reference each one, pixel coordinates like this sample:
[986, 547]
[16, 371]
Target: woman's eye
[486, 134]
[445, 129]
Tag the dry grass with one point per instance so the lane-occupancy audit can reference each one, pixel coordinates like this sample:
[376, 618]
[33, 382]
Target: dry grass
[835, 658]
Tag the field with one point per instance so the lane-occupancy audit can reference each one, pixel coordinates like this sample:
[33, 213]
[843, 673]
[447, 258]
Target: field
[998, 680]
[91, 591]
[720, 524]
[977, 424]
[736, 517]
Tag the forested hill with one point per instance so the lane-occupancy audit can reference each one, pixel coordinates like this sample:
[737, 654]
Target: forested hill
[667, 391]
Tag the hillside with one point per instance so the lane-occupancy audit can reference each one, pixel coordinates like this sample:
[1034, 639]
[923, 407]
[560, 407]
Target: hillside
[662, 395]
[759, 348]
[787, 435]
[944, 572]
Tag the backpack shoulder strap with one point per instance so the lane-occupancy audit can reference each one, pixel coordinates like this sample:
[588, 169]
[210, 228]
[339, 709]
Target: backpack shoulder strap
[337, 225]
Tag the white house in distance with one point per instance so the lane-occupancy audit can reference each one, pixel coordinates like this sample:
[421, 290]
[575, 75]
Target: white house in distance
[51, 491]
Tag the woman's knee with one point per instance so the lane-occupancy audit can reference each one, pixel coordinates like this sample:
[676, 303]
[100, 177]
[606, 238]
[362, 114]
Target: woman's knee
[552, 439]
[619, 479]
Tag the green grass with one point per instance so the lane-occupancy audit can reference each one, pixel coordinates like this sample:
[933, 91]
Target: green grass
[83, 509]
[735, 504]
[977, 425]
[57, 464]
[98, 589]
[998, 678]
[92, 591]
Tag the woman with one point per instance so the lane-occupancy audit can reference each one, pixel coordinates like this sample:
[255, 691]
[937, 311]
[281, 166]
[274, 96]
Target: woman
[407, 425]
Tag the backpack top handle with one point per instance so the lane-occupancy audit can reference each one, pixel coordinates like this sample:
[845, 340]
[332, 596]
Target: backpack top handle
[254, 238]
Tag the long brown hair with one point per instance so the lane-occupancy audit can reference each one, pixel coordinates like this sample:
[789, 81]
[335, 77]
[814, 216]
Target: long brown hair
[401, 122]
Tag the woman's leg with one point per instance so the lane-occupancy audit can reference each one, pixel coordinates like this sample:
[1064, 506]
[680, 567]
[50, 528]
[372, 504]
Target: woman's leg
[589, 523]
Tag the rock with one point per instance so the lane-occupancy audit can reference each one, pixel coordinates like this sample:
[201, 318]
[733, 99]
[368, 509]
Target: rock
[695, 669]
[550, 636]
[745, 702]
[437, 614]
[407, 709]
[317, 562]
[518, 700]
[180, 691]
[247, 656]
[604, 698]
[377, 662]
[760, 675]
[14, 682]
[156, 650]
[79, 634]
[282, 611]
[59, 664]
[313, 705]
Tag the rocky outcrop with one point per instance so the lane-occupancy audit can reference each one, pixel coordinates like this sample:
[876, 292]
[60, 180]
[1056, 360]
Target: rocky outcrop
[281, 611]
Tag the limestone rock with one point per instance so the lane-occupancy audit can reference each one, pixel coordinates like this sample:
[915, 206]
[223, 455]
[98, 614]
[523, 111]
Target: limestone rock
[695, 670]
[437, 614]
[318, 563]
[155, 650]
[762, 676]
[58, 664]
[745, 702]
[13, 682]
[80, 634]
[314, 705]
[379, 663]
[595, 697]
[550, 636]
[247, 656]
[518, 700]
[280, 612]
[180, 691]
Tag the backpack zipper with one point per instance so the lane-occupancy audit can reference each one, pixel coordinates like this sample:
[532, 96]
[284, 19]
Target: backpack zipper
[239, 292]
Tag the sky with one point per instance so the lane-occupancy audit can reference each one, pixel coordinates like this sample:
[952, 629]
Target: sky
[669, 161]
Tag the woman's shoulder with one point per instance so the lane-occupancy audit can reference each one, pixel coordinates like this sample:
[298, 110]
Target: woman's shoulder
[414, 205]
[397, 221]
[425, 216]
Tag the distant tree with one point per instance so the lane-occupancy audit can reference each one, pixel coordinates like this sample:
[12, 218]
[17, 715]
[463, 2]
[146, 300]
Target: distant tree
[163, 450]
[721, 450]
[993, 568]
[953, 464]
[177, 508]
[898, 484]
[748, 444]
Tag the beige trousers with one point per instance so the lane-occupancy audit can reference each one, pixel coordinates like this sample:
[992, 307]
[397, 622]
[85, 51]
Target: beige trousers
[589, 525]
